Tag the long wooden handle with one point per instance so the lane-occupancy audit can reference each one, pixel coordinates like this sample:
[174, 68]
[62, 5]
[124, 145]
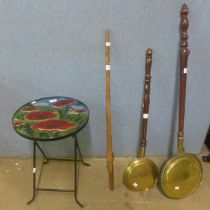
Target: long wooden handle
[110, 156]
[146, 102]
[184, 53]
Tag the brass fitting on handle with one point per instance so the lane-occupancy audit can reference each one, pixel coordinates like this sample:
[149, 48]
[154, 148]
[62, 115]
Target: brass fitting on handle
[180, 144]
[142, 152]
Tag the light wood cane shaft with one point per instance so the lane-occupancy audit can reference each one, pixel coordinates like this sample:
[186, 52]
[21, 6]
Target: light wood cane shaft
[110, 156]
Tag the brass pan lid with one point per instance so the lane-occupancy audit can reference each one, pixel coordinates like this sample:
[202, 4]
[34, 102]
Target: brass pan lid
[141, 175]
[181, 175]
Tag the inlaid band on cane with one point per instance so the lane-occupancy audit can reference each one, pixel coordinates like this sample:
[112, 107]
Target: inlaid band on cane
[108, 67]
[34, 170]
[108, 44]
[185, 71]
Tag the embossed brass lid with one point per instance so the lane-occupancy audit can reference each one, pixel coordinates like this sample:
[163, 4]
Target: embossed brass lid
[181, 175]
[141, 175]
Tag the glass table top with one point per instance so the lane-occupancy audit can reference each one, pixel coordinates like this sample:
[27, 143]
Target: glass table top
[50, 118]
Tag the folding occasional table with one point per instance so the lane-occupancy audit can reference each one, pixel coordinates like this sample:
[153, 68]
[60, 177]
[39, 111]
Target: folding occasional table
[49, 119]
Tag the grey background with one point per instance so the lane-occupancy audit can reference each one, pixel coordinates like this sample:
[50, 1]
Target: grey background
[51, 47]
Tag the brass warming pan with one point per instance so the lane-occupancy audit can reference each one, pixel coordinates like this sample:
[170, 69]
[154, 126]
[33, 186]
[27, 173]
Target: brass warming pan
[181, 174]
[141, 174]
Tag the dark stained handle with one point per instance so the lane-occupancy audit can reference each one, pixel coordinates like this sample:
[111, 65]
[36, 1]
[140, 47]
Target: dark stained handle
[184, 53]
[146, 97]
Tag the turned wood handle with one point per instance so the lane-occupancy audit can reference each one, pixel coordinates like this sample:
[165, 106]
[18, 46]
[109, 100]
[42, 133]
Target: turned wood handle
[184, 53]
[146, 97]
[110, 156]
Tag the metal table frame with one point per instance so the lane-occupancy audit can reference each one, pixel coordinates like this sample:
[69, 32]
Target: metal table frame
[46, 160]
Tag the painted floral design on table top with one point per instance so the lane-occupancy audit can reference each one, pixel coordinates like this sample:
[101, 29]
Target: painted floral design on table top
[50, 118]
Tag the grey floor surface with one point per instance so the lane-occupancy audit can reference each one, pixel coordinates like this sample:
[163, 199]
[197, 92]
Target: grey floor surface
[16, 183]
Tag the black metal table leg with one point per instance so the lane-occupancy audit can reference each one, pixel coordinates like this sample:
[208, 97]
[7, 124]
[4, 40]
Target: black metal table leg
[75, 190]
[34, 173]
[75, 171]
[44, 155]
[80, 154]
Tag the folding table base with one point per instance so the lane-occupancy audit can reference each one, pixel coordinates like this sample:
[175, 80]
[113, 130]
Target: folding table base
[46, 160]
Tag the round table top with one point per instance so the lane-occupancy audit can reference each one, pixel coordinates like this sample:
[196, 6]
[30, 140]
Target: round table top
[50, 118]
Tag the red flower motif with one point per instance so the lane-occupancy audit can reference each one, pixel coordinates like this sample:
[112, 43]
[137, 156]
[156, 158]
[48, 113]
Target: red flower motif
[68, 102]
[42, 115]
[29, 109]
[54, 125]
[17, 123]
